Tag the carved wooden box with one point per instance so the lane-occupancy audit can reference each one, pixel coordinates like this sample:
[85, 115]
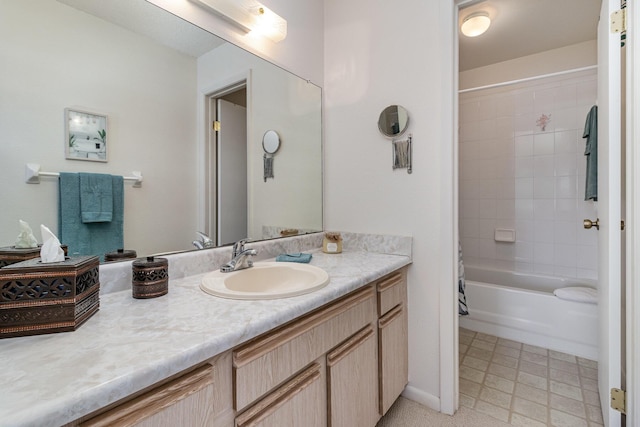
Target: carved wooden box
[37, 298]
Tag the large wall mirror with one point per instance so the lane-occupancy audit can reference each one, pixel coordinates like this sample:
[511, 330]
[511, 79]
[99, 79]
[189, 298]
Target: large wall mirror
[161, 82]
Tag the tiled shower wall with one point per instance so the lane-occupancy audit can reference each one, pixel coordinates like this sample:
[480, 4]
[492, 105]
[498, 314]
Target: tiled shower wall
[521, 171]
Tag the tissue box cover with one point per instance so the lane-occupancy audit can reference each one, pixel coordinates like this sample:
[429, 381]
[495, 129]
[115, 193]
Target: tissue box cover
[37, 298]
[11, 255]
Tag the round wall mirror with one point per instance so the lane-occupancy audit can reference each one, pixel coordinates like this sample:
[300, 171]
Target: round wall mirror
[270, 142]
[393, 121]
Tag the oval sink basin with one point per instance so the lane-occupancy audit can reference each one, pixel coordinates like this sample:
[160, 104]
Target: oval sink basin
[266, 280]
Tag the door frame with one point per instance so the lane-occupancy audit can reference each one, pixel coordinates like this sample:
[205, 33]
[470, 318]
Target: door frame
[206, 164]
[632, 216]
[449, 375]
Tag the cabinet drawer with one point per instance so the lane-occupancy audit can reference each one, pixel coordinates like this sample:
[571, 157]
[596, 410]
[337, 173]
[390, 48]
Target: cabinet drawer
[392, 290]
[267, 361]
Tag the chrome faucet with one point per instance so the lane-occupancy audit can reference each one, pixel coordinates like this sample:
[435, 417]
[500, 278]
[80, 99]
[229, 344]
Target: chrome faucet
[204, 242]
[239, 258]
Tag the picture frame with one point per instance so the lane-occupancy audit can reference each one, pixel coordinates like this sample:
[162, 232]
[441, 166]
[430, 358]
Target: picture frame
[86, 135]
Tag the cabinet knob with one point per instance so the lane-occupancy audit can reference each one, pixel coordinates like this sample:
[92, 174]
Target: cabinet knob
[587, 223]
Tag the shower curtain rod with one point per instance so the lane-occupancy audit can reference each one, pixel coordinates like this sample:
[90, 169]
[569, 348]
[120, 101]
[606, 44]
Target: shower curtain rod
[527, 79]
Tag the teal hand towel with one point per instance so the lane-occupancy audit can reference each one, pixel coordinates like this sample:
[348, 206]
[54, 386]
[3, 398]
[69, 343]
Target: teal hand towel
[591, 151]
[299, 257]
[92, 238]
[96, 197]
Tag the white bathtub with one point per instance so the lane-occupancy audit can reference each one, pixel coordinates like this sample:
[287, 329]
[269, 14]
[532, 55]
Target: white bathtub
[522, 307]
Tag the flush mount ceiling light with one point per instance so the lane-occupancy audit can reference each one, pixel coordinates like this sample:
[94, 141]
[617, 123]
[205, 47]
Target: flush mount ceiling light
[475, 24]
[250, 16]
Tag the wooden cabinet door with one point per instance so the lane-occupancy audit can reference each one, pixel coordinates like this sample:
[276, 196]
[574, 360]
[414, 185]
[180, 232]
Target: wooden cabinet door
[302, 401]
[394, 355]
[201, 397]
[352, 373]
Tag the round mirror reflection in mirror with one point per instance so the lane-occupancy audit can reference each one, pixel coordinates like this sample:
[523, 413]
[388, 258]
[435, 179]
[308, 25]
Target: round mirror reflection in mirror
[393, 121]
[270, 142]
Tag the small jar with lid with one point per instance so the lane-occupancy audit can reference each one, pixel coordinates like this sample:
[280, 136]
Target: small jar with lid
[150, 277]
[332, 243]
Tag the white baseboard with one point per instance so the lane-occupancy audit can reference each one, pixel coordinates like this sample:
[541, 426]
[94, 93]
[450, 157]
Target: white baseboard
[422, 397]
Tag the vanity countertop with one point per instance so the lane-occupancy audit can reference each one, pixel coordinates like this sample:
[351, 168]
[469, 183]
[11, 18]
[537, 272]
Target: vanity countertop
[130, 344]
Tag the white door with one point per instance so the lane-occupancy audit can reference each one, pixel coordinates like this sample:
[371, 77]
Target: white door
[232, 173]
[609, 211]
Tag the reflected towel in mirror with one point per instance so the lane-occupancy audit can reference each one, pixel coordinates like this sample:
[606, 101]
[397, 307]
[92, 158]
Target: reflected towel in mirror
[96, 197]
[95, 238]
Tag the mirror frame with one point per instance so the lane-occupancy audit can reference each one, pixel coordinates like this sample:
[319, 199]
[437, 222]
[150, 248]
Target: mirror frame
[271, 142]
[388, 115]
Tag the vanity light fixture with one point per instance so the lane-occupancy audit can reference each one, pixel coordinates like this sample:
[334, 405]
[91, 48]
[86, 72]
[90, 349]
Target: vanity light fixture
[250, 16]
[475, 24]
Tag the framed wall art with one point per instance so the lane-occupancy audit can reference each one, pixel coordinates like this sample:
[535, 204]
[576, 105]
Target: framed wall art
[86, 135]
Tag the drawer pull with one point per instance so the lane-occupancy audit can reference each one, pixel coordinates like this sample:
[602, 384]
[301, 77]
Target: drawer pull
[390, 316]
[390, 281]
[352, 343]
[272, 402]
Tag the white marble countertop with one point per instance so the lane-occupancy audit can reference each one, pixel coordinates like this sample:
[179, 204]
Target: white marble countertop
[130, 344]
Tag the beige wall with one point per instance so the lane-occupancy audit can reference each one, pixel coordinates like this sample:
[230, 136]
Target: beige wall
[376, 55]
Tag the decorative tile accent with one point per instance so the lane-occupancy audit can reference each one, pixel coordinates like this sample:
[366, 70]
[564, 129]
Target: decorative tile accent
[543, 121]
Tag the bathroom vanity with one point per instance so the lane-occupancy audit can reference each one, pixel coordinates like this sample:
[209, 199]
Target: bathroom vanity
[337, 356]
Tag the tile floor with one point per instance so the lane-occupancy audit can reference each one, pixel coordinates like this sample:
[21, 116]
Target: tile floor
[526, 385]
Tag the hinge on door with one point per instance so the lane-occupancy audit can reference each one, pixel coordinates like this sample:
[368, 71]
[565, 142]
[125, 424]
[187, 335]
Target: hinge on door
[619, 400]
[216, 125]
[619, 21]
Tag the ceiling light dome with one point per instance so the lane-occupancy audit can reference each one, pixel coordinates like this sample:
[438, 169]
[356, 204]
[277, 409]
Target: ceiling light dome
[475, 24]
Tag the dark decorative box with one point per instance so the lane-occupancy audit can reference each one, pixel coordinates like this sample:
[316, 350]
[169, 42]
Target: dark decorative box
[120, 255]
[10, 254]
[150, 277]
[37, 298]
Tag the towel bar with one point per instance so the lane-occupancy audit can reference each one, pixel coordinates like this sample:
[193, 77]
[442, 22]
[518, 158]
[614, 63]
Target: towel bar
[33, 174]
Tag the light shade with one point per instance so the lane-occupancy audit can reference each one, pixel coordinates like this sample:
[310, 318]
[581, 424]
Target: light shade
[250, 16]
[475, 24]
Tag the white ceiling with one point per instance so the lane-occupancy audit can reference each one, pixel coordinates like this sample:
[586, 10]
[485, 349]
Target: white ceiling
[149, 20]
[524, 27]
[518, 28]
